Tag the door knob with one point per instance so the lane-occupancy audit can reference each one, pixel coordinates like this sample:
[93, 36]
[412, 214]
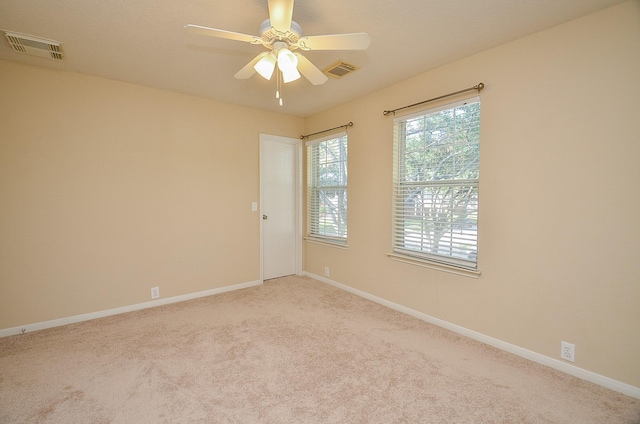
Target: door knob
[264, 216]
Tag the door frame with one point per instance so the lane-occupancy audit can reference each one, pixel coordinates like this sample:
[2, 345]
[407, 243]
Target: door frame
[268, 138]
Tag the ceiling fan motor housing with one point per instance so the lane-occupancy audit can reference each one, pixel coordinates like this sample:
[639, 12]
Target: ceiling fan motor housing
[270, 35]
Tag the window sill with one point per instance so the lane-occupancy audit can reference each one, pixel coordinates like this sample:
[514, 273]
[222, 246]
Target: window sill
[425, 263]
[343, 246]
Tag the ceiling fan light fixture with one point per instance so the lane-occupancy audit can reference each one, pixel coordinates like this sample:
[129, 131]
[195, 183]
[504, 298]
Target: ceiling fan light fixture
[290, 75]
[288, 64]
[266, 66]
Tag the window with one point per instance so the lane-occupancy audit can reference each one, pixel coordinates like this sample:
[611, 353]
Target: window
[436, 177]
[327, 189]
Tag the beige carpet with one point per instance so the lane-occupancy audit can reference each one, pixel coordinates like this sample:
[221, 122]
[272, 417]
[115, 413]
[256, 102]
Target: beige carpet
[293, 350]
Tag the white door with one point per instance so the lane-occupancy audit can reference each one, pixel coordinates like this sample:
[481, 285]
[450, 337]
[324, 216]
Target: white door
[280, 205]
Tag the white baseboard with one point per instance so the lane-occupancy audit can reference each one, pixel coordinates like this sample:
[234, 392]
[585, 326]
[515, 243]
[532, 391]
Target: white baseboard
[557, 364]
[101, 314]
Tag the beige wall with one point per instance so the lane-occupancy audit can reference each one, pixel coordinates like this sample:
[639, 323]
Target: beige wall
[559, 204]
[108, 189]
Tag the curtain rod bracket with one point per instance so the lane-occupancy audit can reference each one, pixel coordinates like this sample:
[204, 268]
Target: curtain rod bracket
[350, 124]
[478, 87]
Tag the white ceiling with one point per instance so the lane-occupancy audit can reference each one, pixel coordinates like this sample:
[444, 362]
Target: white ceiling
[143, 41]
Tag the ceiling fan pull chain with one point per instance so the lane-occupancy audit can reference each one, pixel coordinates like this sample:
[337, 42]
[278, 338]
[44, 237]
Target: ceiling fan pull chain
[279, 87]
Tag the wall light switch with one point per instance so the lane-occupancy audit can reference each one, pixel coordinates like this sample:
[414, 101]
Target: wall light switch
[254, 206]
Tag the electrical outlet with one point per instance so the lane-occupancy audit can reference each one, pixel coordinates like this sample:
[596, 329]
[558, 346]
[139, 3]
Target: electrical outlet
[155, 292]
[326, 271]
[568, 351]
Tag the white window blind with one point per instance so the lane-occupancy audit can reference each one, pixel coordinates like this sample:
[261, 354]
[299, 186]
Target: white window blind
[436, 179]
[327, 189]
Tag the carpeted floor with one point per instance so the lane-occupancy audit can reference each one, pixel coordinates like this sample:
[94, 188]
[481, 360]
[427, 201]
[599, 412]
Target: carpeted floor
[293, 350]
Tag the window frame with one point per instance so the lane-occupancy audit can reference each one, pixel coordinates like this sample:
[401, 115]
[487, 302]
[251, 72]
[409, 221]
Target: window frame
[420, 256]
[313, 231]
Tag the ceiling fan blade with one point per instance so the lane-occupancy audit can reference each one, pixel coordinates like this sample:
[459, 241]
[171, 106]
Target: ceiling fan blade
[248, 70]
[280, 14]
[355, 41]
[310, 71]
[221, 33]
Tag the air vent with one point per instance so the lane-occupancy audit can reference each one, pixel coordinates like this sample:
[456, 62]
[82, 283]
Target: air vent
[34, 46]
[339, 69]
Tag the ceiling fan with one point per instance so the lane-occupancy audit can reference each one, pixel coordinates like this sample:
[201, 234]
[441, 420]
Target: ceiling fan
[282, 37]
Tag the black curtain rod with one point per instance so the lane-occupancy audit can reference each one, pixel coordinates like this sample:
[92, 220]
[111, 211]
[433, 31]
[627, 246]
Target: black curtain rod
[478, 87]
[350, 124]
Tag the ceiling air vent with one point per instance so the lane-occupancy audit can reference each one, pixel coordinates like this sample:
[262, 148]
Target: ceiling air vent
[339, 69]
[34, 46]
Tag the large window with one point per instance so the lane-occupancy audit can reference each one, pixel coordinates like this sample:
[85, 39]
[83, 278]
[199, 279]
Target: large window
[327, 189]
[436, 178]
